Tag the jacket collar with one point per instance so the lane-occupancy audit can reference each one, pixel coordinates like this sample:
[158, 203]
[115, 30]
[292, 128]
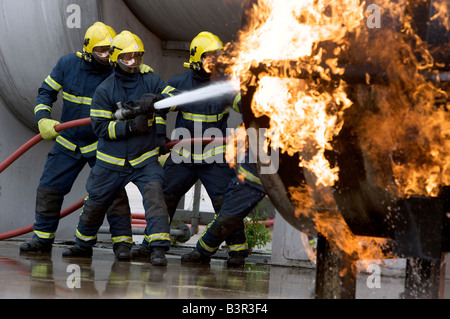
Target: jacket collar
[95, 67]
[201, 76]
[129, 80]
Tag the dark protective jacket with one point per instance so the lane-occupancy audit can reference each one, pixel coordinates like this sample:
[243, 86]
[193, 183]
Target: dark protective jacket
[78, 80]
[212, 113]
[115, 148]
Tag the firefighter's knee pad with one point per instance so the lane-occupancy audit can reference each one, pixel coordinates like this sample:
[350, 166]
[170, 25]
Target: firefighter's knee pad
[120, 205]
[92, 214]
[48, 202]
[154, 200]
[224, 225]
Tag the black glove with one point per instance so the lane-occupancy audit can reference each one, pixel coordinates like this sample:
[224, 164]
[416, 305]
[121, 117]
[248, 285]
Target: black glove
[163, 140]
[147, 101]
[138, 126]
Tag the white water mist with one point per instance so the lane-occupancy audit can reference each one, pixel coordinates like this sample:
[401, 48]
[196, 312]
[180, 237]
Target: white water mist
[211, 91]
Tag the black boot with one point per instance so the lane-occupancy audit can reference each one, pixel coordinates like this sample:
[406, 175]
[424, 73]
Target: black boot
[158, 256]
[195, 257]
[122, 252]
[140, 252]
[236, 261]
[77, 251]
[35, 245]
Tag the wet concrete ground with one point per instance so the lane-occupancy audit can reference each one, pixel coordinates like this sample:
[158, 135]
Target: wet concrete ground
[30, 276]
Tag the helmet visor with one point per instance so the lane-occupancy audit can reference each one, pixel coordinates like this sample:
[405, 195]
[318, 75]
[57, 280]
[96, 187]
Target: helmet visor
[101, 54]
[130, 62]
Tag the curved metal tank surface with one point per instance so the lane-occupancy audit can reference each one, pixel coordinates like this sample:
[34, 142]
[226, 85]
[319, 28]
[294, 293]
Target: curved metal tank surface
[184, 19]
[34, 35]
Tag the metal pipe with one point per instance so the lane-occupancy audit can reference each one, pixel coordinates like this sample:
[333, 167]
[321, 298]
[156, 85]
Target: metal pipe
[140, 231]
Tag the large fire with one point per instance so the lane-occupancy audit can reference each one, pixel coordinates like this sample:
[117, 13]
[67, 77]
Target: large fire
[304, 47]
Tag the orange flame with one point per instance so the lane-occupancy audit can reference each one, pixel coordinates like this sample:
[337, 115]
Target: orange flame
[442, 13]
[301, 121]
[319, 205]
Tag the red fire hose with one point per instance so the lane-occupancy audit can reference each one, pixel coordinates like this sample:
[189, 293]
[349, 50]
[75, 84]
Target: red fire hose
[25, 147]
[27, 229]
[137, 222]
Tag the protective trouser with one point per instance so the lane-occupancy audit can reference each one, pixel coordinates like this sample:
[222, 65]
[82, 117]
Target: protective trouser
[228, 225]
[179, 178]
[60, 172]
[104, 185]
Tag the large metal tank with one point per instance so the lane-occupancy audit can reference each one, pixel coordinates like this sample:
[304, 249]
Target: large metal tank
[181, 21]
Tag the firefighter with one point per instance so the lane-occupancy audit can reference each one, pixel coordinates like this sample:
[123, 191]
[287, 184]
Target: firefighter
[77, 76]
[242, 195]
[127, 150]
[209, 164]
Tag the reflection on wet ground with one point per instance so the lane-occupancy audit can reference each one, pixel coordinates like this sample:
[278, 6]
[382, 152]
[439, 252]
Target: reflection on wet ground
[51, 276]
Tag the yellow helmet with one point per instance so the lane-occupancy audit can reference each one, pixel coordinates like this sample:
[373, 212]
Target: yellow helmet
[123, 43]
[98, 35]
[204, 42]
